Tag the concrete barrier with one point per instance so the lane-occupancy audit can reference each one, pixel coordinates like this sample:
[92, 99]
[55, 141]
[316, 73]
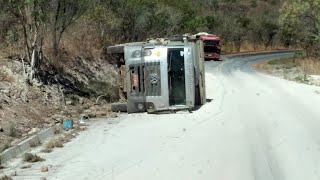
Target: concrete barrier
[44, 135]
[7, 155]
[27, 144]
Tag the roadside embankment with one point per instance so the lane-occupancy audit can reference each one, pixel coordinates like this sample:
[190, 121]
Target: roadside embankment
[303, 70]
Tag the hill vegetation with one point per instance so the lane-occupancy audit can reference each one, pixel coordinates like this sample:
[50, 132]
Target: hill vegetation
[48, 28]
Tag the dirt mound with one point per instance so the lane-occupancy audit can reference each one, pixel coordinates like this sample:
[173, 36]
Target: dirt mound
[26, 108]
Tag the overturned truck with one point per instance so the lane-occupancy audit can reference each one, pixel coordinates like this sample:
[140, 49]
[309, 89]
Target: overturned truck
[160, 74]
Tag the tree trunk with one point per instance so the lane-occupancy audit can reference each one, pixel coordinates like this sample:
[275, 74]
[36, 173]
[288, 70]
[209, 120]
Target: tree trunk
[55, 44]
[33, 64]
[55, 39]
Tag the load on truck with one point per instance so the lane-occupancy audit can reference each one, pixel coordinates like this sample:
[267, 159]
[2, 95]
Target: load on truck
[160, 75]
[211, 45]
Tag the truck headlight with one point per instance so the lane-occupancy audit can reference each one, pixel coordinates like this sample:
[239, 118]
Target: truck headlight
[147, 52]
[136, 53]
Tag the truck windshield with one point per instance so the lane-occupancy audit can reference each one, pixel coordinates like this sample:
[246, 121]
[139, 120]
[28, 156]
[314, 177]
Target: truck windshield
[211, 42]
[208, 49]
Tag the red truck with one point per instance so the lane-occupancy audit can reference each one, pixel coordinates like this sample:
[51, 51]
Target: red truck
[211, 46]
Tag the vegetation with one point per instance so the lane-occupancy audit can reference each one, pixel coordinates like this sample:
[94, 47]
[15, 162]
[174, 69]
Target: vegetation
[55, 23]
[300, 24]
[57, 31]
[5, 178]
[28, 157]
[58, 142]
[55, 143]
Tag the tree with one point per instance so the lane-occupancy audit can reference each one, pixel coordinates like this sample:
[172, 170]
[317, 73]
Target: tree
[300, 22]
[65, 12]
[32, 17]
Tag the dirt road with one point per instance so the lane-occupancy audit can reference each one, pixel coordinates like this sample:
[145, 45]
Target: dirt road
[255, 127]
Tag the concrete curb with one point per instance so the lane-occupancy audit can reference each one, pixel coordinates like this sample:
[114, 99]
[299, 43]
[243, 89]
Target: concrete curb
[26, 145]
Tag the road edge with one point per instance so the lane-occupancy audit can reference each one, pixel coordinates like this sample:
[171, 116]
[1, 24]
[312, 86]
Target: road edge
[27, 144]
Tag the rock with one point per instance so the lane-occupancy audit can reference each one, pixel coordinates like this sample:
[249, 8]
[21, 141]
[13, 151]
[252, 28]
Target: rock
[9, 129]
[33, 131]
[93, 108]
[43, 178]
[44, 168]
[1, 129]
[101, 113]
[15, 142]
[14, 94]
[114, 115]
[5, 144]
[81, 100]
[14, 173]
[86, 106]
[92, 115]
[6, 91]
[24, 96]
[89, 113]
[73, 112]
[84, 116]
[57, 118]
[69, 103]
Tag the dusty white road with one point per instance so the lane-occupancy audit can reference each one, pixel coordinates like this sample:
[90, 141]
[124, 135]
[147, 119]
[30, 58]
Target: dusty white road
[256, 127]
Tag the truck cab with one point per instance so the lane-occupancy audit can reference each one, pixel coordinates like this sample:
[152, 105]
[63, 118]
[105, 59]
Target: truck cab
[211, 46]
[161, 74]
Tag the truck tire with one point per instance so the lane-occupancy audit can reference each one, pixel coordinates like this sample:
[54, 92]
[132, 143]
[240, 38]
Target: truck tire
[118, 106]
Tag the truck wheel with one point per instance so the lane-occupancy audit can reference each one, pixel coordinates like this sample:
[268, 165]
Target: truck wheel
[118, 106]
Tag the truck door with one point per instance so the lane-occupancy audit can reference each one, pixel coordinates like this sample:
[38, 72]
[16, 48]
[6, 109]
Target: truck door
[176, 76]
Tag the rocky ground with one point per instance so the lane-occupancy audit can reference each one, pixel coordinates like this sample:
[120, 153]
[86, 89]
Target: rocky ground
[26, 108]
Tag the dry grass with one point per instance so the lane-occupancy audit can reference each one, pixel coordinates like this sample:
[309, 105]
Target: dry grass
[4, 145]
[82, 41]
[58, 142]
[54, 143]
[310, 65]
[46, 150]
[35, 143]
[68, 137]
[26, 166]
[5, 178]
[57, 130]
[4, 76]
[284, 63]
[28, 157]
[296, 69]
[1, 163]
[248, 47]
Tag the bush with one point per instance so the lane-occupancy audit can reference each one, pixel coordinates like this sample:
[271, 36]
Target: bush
[28, 157]
[5, 178]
